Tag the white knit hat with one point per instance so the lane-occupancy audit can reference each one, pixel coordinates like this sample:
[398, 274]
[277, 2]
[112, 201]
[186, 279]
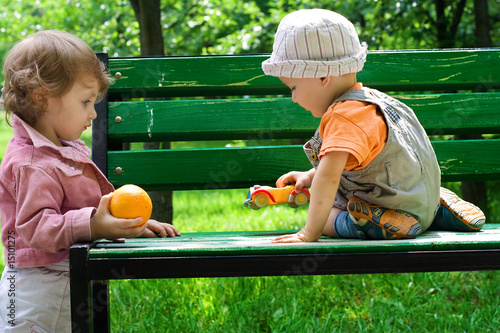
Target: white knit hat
[315, 43]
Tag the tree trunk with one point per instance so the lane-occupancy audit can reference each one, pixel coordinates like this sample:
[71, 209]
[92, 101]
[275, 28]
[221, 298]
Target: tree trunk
[482, 23]
[446, 28]
[441, 24]
[148, 14]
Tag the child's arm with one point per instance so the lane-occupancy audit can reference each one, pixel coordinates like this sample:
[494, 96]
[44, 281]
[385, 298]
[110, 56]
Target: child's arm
[323, 191]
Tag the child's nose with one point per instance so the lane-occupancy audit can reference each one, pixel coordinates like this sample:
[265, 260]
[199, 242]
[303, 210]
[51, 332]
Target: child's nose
[93, 113]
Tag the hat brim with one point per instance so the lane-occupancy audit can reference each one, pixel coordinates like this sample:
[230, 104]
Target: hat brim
[315, 68]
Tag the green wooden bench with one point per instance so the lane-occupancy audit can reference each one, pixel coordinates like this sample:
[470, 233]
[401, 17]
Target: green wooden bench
[207, 98]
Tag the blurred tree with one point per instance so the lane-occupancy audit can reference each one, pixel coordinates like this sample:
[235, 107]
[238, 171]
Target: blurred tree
[483, 27]
[102, 24]
[231, 26]
[446, 26]
[148, 14]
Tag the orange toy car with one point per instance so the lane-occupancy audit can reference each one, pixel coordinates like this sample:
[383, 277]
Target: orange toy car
[261, 196]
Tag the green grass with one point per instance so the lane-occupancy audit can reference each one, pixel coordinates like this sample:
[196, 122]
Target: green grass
[417, 302]
[423, 302]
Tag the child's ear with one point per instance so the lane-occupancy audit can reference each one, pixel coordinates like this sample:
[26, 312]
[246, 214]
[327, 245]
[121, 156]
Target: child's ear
[38, 96]
[325, 80]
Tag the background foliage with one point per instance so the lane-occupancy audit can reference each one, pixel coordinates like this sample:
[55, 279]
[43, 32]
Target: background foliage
[194, 27]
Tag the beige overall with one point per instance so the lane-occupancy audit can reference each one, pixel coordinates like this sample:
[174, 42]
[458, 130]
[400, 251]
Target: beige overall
[405, 175]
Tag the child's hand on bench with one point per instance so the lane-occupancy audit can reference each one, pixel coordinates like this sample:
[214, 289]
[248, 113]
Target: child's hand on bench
[159, 229]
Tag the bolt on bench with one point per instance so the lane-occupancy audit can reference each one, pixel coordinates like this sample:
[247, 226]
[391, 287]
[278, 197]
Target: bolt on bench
[207, 98]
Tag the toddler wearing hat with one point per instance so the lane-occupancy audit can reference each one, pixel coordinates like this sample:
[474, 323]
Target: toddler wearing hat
[375, 174]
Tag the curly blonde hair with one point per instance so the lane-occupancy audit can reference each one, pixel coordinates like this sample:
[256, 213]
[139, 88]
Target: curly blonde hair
[51, 60]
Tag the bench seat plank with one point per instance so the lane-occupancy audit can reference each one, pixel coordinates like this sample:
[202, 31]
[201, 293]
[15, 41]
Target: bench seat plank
[260, 242]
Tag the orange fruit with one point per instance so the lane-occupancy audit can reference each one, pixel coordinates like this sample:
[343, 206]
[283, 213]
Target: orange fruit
[131, 201]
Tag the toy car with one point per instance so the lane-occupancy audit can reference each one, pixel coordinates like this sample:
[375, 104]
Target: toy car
[261, 196]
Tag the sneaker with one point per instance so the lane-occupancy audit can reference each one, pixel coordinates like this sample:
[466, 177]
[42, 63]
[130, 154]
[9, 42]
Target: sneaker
[369, 230]
[396, 222]
[465, 212]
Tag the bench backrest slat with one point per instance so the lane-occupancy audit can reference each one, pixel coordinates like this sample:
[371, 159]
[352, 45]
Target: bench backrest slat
[222, 119]
[210, 98]
[211, 168]
[242, 75]
[277, 118]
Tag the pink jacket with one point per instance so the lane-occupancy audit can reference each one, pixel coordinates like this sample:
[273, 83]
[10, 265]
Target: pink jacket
[47, 196]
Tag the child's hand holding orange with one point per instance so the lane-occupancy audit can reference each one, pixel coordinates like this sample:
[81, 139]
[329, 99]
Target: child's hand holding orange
[129, 202]
[126, 213]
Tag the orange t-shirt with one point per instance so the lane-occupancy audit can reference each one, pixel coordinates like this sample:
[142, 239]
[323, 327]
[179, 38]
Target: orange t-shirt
[355, 127]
